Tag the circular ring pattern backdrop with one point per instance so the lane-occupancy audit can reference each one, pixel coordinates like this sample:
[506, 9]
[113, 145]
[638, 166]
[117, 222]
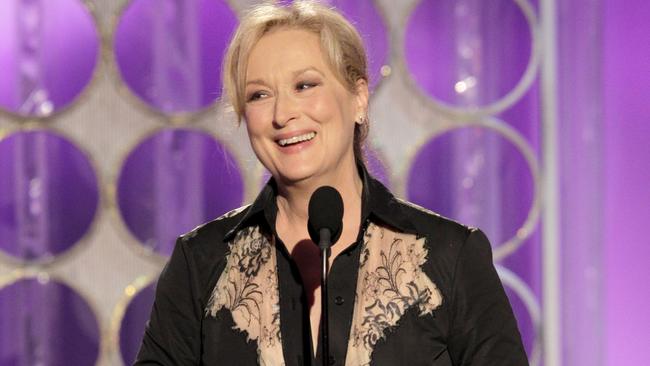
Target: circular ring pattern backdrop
[167, 58]
[47, 55]
[367, 17]
[48, 194]
[483, 175]
[139, 302]
[466, 65]
[45, 322]
[163, 54]
[166, 186]
[527, 311]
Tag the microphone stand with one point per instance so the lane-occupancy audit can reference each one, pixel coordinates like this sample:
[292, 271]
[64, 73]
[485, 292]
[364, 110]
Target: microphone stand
[324, 245]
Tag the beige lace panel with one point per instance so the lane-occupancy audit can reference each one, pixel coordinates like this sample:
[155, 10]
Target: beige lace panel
[390, 281]
[248, 287]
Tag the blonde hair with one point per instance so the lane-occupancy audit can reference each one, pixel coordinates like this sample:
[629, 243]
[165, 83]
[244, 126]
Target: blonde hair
[339, 40]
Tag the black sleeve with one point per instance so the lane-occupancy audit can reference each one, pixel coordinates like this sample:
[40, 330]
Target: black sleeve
[483, 329]
[173, 333]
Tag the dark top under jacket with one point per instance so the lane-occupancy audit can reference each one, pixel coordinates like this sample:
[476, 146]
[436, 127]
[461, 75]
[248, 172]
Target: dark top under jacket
[415, 289]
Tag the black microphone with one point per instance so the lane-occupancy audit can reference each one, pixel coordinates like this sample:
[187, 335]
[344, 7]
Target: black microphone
[325, 224]
[325, 216]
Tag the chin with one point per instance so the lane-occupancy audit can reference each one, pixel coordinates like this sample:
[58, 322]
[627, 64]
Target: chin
[296, 168]
[291, 176]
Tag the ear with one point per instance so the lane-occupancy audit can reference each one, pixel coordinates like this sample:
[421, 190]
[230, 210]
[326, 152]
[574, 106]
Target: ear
[361, 96]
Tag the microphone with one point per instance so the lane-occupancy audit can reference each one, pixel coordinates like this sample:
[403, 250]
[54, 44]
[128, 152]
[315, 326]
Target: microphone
[325, 224]
[325, 216]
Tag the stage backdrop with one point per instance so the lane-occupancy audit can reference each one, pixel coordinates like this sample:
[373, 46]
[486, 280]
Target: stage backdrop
[114, 140]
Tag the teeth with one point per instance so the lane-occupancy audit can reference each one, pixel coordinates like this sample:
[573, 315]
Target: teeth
[296, 139]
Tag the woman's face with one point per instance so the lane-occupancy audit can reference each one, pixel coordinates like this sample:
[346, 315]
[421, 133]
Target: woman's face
[300, 118]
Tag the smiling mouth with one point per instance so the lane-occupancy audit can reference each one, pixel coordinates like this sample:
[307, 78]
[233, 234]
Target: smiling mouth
[297, 139]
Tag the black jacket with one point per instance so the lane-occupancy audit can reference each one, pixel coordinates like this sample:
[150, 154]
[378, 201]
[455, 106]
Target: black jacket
[415, 289]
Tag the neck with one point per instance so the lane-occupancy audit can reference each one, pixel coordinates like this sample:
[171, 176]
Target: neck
[293, 199]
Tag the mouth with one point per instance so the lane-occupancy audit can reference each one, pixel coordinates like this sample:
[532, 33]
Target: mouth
[296, 139]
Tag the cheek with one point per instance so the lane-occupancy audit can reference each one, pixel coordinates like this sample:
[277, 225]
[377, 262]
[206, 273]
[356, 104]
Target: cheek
[254, 122]
[256, 138]
[324, 108]
[261, 151]
[255, 133]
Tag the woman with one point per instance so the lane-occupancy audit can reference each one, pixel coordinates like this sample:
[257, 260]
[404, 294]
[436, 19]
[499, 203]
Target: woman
[405, 285]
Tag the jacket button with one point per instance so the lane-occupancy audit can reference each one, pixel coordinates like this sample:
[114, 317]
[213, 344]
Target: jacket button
[339, 300]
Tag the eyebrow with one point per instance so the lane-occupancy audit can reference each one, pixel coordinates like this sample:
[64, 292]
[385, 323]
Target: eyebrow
[294, 74]
[302, 71]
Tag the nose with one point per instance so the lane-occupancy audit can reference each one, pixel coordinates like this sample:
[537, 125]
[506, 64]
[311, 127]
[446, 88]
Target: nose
[286, 110]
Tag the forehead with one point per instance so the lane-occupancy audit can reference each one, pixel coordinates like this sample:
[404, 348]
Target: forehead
[285, 50]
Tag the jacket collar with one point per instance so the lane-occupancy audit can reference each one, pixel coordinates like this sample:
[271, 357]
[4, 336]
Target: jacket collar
[378, 203]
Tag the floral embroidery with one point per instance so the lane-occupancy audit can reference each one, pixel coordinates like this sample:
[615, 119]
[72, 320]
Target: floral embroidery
[248, 287]
[255, 254]
[390, 281]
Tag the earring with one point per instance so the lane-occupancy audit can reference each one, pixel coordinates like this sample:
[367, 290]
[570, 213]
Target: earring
[361, 120]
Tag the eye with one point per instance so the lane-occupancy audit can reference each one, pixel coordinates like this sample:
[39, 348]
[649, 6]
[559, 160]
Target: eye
[256, 96]
[304, 85]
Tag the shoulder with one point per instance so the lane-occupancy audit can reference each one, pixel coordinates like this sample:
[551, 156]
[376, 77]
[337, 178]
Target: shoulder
[206, 243]
[200, 254]
[433, 225]
[216, 228]
[445, 241]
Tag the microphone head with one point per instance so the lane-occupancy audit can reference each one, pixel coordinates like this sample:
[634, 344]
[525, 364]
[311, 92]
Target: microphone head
[325, 212]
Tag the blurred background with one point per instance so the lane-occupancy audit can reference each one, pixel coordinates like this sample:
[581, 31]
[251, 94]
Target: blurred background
[526, 118]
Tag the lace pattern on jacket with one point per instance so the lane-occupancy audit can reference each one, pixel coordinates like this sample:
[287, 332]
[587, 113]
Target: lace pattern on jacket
[248, 288]
[390, 281]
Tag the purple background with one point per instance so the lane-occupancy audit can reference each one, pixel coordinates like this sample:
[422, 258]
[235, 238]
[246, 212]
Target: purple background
[167, 186]
[491, 169]
[131, 330]
[48, 195]
[45, 322]
[449, 40]
[369, 22]
[627, 167]
[473, 174]
[169, 52]
[57, 57]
